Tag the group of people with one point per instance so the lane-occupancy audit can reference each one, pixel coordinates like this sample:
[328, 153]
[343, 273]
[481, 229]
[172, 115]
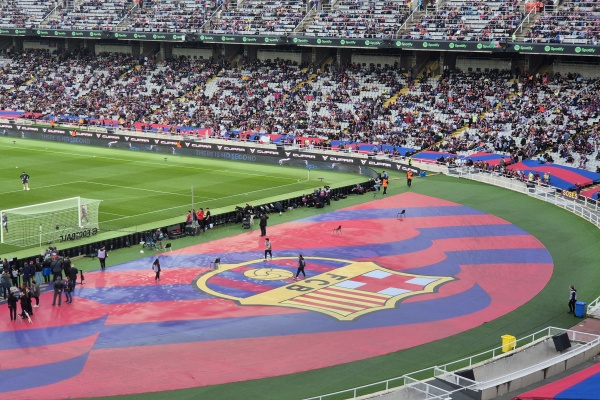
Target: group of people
[473, 20]
[319, 198]
[259, 17]
[200, 218]
[22, 284]
[574, 20]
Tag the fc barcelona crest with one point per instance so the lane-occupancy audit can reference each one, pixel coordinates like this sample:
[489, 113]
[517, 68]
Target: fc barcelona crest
[339, 288]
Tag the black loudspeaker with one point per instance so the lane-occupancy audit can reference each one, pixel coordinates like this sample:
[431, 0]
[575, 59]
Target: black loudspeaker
[561, 342]
[192, 230]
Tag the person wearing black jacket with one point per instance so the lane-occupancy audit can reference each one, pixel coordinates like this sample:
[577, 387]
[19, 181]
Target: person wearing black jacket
[301, 266]
[28, 271]
[59, 286]
[207, 219]
[72, 274]
[5, 283]
[47, 269]
[26, 310]
[66, 265]
[12, 306]
[56, 269]
[263, 224]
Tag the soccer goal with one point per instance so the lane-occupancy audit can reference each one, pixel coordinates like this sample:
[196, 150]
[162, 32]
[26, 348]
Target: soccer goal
[43, 223]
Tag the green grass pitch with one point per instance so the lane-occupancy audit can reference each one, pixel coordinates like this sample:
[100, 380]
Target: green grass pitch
[140, 188]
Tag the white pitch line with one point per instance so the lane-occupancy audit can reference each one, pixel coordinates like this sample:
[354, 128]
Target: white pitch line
[153, 162]
[107, 213]
[183, 206]
[136, 188]
[146, 213]
[43, 187]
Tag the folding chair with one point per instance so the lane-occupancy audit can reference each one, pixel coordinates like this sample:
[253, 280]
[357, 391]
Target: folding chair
[215, 264]
[168, 247]
[337, 230]
[401, 215]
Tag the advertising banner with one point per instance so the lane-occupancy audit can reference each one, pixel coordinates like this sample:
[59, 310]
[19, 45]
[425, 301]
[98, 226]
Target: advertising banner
[493, 46]
[233, 152]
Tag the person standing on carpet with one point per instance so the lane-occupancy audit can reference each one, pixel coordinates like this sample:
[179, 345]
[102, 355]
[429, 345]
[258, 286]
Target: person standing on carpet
[156, 269]
[301, 265]
[268, 249]
[35, 292]
[25, 299]
[69, 287]
[263, 224]
[12, 306]
[102, 257]
[59, 286]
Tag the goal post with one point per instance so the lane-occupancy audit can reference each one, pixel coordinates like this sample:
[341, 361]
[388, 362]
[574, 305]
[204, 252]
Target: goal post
[42, 223]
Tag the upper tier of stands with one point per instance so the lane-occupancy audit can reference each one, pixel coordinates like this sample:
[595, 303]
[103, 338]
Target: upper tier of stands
[372, 19]
[575, 22]
[24, 13]
[88, 14]
[470, 20]
[170, 16]
[568, 22]
[262, 17]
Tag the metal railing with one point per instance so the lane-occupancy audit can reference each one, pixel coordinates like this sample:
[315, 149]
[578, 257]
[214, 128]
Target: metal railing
[582, 206]
[416, 380]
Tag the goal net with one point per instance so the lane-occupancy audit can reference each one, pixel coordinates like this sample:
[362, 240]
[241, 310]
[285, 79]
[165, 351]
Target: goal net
[60, 220]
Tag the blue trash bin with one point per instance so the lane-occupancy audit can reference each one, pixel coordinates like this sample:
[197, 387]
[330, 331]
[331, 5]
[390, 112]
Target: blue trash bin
[580, 309]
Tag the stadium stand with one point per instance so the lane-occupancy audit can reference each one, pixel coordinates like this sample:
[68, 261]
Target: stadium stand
[469, 20]
[24, 13]
[373, 19]
[88, 14]
[178, 16]
[575, 22]
[258, 17]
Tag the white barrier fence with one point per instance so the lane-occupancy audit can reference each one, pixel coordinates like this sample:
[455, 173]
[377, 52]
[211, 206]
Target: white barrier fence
[584, 207]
